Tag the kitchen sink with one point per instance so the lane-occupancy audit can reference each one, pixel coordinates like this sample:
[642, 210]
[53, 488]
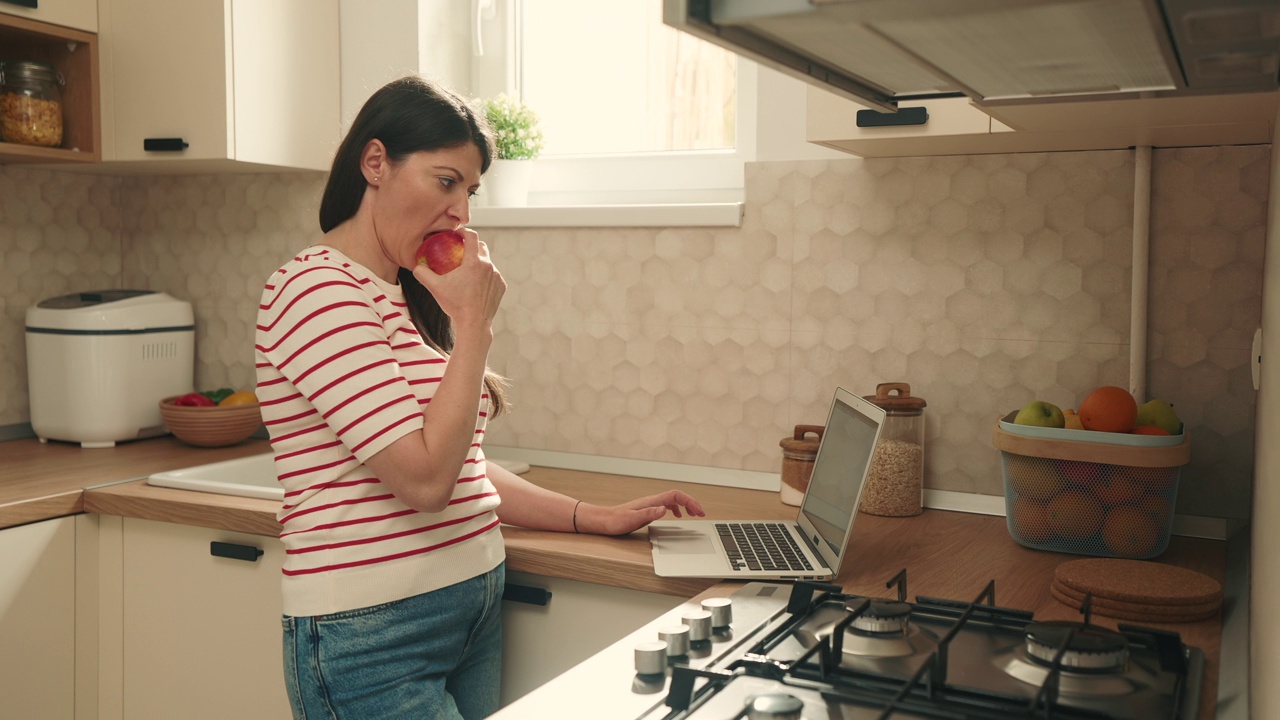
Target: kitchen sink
[253, 476]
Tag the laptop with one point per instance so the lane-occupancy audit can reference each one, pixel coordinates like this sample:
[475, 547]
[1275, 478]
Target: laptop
[811, 547]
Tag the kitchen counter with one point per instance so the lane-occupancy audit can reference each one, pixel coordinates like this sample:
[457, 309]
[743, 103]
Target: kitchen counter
[39, 481]
[947, 554]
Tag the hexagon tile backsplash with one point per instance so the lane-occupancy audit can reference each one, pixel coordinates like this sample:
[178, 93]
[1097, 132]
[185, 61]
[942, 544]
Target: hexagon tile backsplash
[983, 281]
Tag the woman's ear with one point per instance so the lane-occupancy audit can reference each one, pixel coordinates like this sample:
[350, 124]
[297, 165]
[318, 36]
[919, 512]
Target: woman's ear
[374, 162]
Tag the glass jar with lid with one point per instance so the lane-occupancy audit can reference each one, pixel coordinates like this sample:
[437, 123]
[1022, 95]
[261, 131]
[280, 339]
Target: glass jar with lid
[895, 481]
[30, 103]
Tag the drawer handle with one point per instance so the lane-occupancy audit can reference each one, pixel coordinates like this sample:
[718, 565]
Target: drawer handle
[248, 553]
[164, 144]
[525, 594]
[904, 116]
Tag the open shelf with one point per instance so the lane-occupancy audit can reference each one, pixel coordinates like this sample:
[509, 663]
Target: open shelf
[74, 54]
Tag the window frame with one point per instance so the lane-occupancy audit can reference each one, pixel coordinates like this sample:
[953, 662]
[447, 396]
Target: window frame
[682, 177]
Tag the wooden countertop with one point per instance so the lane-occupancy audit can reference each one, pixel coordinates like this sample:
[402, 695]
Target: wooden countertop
[947, 554]
[39, 481]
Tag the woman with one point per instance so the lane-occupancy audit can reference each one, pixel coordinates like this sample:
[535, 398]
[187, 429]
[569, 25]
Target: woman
[373, 383]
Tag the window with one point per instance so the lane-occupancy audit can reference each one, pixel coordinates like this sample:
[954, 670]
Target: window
[633, 111]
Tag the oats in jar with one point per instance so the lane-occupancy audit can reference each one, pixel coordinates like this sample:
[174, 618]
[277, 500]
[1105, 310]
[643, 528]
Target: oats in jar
[30, 121]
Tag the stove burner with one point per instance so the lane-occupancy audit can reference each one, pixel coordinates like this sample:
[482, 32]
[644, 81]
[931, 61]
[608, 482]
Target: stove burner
[774, 706]
[1090, 648]
[882, 617]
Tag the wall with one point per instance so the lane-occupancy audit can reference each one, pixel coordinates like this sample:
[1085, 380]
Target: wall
[983, 281]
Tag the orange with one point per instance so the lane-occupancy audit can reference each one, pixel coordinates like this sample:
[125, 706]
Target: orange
[244, 397]
[1080, 472]
[1030, 520]
[1149, 478]
[1075, 514]
[1108, 409]
[1130, 531]
[1031, 476]
[1149, 430]
[1117, 487]
[1158, 507]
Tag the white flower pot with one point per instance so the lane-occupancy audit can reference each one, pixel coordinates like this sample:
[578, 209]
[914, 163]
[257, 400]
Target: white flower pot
[507, 183]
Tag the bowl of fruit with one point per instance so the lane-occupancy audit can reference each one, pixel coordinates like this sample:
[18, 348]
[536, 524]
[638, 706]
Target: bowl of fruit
[214, 418]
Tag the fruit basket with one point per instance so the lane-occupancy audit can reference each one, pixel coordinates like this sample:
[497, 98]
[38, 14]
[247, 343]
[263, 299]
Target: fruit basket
[1090, 495]
[214, 426]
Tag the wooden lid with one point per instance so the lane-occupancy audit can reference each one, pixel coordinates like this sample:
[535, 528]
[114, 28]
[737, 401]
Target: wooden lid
[896, 399]
[1138, 581]
[799, 443]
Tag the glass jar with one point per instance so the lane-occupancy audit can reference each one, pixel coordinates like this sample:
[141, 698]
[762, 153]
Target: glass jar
[30, 103]
[895, 481]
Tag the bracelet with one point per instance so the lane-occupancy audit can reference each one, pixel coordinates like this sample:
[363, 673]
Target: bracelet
[575, 516]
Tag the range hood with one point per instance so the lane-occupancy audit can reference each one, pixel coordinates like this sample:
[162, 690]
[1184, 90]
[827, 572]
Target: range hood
[1000, 52]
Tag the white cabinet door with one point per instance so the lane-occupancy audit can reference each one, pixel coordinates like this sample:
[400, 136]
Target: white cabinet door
[201, 634]
[37, 620]
[581, 619]
[250, 81]
[78, 14]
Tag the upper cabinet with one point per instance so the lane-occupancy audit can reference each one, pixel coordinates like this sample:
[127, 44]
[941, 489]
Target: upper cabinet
[957, 126]
[208, 85]
[73, 53]
[78, 14]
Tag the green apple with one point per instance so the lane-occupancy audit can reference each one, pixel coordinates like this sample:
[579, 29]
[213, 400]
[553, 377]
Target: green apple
[1159, 413]
[1040, 414]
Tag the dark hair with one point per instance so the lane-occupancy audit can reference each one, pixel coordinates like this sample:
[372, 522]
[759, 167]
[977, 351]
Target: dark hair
[410, 115]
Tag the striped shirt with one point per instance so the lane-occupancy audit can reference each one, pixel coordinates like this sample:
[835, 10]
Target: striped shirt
[343, 373]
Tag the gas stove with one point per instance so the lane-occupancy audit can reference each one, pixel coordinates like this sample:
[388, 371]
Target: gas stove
[808, 651]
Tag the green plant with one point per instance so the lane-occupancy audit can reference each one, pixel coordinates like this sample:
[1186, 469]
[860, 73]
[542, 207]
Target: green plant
[515, 128]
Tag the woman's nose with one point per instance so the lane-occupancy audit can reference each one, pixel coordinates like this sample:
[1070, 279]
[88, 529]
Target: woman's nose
[461, 211]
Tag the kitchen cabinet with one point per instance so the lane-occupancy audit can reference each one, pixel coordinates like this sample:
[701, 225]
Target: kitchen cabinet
[542, 641]
[213, 85]
[956, 126]
[201, 634]
[78, 14]
[37, 620]
[74, 54]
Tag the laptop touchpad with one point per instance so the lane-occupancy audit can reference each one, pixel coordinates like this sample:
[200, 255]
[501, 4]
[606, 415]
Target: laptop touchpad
[683, 542]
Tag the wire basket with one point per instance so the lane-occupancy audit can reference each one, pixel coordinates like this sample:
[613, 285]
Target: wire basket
[1089, 497]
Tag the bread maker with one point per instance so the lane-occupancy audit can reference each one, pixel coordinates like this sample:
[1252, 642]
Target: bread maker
[98, 364]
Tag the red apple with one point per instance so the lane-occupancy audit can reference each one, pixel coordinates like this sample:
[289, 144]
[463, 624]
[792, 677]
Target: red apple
[441, 251]
[194, 400]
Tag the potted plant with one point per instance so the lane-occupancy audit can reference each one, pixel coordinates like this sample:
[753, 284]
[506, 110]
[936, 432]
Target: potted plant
[519, 141]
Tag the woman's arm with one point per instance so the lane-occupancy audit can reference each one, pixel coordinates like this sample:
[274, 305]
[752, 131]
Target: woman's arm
[527, 505]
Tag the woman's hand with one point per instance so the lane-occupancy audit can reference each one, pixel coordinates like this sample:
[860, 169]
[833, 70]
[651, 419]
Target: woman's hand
[469, 294]
[631, 516]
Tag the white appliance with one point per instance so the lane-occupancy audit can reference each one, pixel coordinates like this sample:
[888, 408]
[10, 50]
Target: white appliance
[98, 364]
[879, 52]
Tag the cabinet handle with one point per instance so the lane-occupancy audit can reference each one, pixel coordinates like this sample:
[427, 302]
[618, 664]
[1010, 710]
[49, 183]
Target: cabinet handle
[164, 144]
[525, 594]
[904, 116]
[247, 553]
[23, 3]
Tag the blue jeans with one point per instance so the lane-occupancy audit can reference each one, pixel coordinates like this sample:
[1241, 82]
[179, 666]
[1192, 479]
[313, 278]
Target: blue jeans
[435, 656]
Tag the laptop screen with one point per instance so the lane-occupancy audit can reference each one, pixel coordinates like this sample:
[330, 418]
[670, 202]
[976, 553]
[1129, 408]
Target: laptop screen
[838, 472]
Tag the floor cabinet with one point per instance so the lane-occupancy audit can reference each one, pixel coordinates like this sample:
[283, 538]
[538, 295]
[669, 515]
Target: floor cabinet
[201, 623]
[38, 620]
[541, 641]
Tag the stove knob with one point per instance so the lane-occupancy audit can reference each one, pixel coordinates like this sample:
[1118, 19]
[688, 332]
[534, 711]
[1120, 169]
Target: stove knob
[651, 657]
[721, 610]
[774, 706]
[699, 622]
[677, 639]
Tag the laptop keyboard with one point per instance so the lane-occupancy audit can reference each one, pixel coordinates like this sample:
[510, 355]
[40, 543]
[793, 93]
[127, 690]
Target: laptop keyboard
[761, 546]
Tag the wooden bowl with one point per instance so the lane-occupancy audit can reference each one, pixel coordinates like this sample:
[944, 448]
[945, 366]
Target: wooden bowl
[215, 426]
